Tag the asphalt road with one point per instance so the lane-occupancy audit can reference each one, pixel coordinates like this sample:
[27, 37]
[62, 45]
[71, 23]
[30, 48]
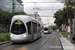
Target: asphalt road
[46, 42]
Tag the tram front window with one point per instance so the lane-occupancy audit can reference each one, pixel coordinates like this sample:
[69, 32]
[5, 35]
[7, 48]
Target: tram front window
[46, 29]
[18, 27]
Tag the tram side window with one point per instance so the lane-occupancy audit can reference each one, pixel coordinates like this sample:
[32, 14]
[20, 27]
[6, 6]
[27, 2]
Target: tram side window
[39, 25]
[39, 28]
[34, 26]
[29, 27]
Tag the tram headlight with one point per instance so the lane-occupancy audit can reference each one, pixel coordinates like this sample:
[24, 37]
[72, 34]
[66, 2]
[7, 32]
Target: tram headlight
[24, 35]
[11, 35]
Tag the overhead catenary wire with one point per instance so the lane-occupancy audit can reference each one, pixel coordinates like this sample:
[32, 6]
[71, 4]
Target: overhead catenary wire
[40, 2]
[34, 3]
[35, 8]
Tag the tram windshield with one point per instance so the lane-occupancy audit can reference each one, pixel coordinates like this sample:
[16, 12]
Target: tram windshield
[46, 29]
[18, 27]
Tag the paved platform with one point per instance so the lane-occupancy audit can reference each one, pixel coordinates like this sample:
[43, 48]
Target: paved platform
[66, 44]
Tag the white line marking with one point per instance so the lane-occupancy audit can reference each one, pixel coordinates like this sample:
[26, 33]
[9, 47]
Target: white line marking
[44, 42]
[16, 48]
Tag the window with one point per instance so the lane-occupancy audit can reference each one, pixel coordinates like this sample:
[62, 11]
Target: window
[39, 25]
[46, 29]
[18, 27]
[39, 28]
[34, 27]
[29, 27]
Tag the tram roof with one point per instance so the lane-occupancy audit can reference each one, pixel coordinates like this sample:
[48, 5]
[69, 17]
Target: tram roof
[24, 16]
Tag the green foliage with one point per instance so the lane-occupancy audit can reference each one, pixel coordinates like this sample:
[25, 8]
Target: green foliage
[70, 3]
[5, 17]
[53, 27]
[61, 16]
[64, 0]
[4, 37]
[66, 35]
[63, 34]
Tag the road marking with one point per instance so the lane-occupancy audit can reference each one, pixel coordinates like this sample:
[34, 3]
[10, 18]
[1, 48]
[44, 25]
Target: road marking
[16, 48]
[44, 41]
[55, 47]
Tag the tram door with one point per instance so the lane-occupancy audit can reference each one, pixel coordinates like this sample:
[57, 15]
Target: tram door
[34, 30]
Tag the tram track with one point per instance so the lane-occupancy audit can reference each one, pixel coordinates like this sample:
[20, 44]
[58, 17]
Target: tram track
[5, 42]
[37, 45]
[45, 42]
[42, 43]
[12, 46]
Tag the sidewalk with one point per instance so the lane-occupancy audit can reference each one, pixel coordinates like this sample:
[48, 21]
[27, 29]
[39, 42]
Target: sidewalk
[66, 44]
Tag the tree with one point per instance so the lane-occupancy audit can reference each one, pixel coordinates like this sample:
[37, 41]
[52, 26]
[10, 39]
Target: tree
[5, 17]
[63, 1]
[61, 16]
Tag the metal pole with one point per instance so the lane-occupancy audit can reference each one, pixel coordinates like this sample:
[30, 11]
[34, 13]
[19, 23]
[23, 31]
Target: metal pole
[74, 19]
[23, 8]
[67, 14]
[67, 19]
[35, 11]
[35, 16]
[74, 24]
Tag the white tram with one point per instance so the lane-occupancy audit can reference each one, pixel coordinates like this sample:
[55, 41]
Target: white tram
[23, 28]
[46, 29]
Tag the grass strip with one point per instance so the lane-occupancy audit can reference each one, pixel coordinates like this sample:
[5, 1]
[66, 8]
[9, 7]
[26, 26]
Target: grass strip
[65, 35]
[4, 37]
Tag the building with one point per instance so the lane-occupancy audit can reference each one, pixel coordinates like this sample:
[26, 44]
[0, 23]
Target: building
[6, 5]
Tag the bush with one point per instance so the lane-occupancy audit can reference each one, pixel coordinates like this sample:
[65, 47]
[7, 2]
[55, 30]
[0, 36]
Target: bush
[64, 34]
[4, 37]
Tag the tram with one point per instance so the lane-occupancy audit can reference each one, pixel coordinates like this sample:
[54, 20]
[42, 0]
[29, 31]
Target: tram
[46, 29]
[23, 28]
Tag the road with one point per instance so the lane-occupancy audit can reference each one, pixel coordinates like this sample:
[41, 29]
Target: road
[46, 42]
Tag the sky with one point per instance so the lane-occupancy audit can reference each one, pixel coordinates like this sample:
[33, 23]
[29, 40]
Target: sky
[46, 15]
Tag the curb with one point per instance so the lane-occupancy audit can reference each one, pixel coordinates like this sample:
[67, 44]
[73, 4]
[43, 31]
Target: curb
[60, 35]
[62, 43]
[4, 42]
[66, 45]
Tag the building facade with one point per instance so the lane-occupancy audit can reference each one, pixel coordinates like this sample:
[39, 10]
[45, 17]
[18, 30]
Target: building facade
[6, 5]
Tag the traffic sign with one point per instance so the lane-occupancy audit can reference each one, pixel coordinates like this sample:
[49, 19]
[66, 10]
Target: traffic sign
[36, 12]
